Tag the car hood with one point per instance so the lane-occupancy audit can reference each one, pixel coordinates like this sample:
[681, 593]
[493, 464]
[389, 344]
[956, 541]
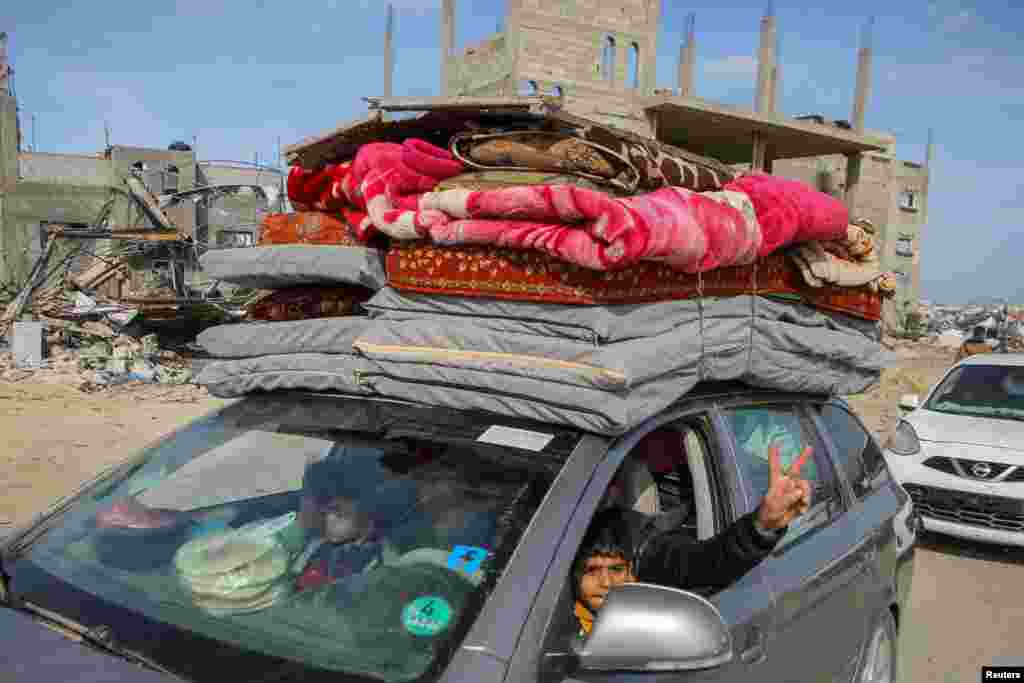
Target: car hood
[33, 652]
[967, 429]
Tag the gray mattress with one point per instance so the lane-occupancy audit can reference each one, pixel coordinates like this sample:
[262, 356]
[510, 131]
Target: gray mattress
[593, 324]
[292, 265]
[607, 388]
[251, 339]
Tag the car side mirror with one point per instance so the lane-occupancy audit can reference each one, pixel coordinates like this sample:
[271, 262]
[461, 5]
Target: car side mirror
[643, 627]
[910, 402]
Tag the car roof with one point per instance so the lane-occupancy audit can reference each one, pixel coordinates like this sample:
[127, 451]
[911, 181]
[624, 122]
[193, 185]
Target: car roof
[1007, 359]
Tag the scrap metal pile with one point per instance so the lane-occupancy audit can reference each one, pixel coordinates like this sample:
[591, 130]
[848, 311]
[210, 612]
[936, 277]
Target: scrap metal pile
[536, 264]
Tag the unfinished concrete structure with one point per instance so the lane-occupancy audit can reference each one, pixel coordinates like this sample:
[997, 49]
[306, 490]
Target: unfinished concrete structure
[600, 57]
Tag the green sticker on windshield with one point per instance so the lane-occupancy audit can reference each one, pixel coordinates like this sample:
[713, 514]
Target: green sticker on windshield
[427, 615]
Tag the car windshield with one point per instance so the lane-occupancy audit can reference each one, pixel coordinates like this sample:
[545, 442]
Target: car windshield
[983, 390]
[294, 539]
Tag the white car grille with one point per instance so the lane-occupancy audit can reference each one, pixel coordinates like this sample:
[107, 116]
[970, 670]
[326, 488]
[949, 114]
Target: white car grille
[993, 512]
[977, 469]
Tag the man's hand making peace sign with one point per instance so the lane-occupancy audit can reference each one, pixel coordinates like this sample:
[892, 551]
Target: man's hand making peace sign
[788, 495]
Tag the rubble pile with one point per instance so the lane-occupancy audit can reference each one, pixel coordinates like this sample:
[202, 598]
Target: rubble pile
[92, 356]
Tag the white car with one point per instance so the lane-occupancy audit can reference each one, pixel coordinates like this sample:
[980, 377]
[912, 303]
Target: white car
[960, 453]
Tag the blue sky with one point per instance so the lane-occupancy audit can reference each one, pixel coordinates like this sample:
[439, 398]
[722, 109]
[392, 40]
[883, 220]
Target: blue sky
[238, 76]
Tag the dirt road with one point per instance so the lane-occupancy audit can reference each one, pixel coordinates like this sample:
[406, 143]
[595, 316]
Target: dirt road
[56, 437]
[966, 606]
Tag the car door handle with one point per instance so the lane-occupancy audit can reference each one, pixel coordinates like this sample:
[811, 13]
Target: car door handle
[755, 654]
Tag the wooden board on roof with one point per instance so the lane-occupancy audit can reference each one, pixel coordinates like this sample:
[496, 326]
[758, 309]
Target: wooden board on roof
[440, 113]
[583, 122]
[441, 117]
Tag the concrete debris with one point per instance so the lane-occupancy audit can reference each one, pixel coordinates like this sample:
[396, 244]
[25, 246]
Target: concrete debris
[92, 356]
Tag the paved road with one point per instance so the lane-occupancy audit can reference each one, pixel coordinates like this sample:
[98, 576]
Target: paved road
[966, 611]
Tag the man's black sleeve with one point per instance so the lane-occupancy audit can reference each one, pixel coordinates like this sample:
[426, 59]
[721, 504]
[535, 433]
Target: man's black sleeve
[672, 558]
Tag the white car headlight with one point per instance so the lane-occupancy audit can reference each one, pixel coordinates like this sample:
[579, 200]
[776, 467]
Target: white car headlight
[904, 440]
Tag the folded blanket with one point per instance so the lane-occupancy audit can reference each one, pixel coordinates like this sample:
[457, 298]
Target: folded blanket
[500, 179]
[689, 231]
[304, 303]
[310, 227]
[820, 267]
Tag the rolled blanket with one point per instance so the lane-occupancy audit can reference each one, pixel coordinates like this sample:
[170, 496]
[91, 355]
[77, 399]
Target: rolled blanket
[686, 230]
[790, 211]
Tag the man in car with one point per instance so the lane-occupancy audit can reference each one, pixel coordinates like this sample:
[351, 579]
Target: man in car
[623, 546]
[350, 500]
[974, 344]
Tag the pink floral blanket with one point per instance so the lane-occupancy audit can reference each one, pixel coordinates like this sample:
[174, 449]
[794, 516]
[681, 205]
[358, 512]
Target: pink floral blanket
[391, 183]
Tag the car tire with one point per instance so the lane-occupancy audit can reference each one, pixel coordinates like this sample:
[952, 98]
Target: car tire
[878, 660]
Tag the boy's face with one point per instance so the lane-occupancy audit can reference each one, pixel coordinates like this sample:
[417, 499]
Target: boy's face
[600, 573]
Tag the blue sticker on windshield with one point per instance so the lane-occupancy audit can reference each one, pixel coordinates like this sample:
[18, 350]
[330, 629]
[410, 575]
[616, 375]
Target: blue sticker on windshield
[467, 558]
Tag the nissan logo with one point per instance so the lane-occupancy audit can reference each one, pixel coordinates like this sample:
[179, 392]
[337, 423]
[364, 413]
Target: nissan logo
[981, 469]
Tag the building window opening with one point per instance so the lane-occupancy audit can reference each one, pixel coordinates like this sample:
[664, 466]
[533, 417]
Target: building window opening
[557, 91]
[908, 200]
[634, 65]
[608, 59]
[904, 246]
[171, 179]
[528, 88]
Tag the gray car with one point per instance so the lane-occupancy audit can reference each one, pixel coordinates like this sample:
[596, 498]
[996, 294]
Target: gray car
[311, 537]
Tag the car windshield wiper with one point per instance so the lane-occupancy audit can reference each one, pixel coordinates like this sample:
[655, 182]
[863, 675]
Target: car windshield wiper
[100, 638]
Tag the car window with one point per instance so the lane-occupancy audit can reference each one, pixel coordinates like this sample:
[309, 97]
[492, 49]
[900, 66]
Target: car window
[857, 452]
[992, 391]
[667, 460]
[340, 551]
[755, 429]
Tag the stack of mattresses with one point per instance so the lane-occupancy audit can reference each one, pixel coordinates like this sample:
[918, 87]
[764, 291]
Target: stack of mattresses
[599, 367]
[607, 308]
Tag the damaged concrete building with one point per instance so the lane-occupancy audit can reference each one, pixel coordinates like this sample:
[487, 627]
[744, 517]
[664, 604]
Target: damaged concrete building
[41, 189]
[600, 58]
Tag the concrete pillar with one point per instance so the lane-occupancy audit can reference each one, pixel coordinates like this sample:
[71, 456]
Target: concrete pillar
[447, 42]
[759, 156]
[765, 64]
[389, 52]
[860, 97]
[687, 58]
[773, 91]
[853, 164]
[5, 70]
